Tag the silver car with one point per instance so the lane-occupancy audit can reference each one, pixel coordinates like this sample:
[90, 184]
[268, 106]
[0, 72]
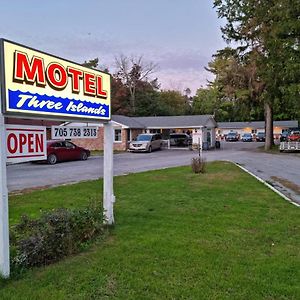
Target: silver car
[146, 142]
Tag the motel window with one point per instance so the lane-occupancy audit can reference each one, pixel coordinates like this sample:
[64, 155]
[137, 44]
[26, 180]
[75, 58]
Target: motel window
[154, 130]
[254, 131]
[118, 135]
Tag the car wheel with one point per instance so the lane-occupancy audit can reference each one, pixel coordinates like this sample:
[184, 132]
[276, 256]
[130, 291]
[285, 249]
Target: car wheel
[52, 159]
[150, 149]
[83, 156]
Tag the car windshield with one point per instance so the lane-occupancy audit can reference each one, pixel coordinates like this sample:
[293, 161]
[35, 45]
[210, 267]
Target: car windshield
[143, 137]
[247, 134]
[261, 133]
[232, 133]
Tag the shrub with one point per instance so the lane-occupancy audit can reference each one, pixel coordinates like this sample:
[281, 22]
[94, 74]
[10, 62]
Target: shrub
[54, 235]
[198, 165]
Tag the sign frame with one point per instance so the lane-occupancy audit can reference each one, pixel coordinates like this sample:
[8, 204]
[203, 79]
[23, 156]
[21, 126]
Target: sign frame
[46, 115]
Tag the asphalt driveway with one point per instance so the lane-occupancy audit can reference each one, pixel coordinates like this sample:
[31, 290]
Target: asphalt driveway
[281, 170]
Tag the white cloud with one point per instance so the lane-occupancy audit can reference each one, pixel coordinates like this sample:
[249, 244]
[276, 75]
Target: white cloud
[180, 80]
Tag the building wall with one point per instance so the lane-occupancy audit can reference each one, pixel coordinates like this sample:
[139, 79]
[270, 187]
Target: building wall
[92, 144]
[98, 143]
[122, 145]
[34, 122]
[135, 133]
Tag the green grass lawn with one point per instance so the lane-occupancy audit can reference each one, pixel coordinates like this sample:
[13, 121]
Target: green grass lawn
[178, 235]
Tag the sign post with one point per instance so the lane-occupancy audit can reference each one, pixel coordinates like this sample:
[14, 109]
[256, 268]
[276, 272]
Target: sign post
[108, 193]
[4, 229]
[198, 140]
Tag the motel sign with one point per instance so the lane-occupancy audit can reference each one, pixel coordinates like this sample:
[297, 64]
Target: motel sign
[34, 84]
[37, 83]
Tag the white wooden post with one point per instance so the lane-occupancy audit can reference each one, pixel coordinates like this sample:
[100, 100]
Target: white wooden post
[108, 191]
[201, 143]
[4, 229]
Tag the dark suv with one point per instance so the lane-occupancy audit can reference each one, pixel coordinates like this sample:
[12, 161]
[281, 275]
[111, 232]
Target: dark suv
[232, 137]
[180, 139]
[284, 136]
[260, 137]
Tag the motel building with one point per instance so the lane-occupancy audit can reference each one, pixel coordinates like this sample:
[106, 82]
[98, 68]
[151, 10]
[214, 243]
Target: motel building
[253, 127]
[127, 128]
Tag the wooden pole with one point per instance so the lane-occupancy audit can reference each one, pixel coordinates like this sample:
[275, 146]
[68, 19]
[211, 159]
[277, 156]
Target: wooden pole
[108, 192]
[4, 228]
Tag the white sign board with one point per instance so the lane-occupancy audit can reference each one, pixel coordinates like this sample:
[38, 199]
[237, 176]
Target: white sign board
[40, 84]
[25, 143]
[64, 132]
[197, 136]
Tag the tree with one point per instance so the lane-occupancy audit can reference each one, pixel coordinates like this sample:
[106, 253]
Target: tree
[132, 71]
[267, 32]
[173, 103]
[237, 85]
[92, 63]
[119, 97]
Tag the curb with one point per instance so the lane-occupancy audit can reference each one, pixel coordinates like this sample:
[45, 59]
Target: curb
[268, 185]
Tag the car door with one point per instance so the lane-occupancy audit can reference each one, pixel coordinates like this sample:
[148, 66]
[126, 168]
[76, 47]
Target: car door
[59, 149]
[72, 152]
[152, 142]
[157, 141]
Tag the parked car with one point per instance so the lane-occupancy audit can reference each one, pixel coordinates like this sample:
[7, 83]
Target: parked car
[232, 137]
[284, 136]
[294, 136]
[247, 137]
[64, 151]
[146, 142]
[260, 137]
[180, 139]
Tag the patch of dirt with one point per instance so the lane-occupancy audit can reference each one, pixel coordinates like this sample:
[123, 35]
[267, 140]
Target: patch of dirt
[29, 190]
[288, 184]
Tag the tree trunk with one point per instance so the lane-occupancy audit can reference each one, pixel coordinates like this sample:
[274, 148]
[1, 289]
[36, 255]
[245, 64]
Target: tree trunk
[269, 126]
[132, 102]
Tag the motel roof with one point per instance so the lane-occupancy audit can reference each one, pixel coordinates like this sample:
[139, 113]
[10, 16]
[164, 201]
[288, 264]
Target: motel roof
[160, 122]
[256, 124]
[127, 121]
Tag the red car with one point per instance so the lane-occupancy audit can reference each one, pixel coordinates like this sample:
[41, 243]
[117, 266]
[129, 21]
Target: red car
[294, 136]
[65, 150]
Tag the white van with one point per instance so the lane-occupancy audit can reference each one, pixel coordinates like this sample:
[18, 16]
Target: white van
[146, 142]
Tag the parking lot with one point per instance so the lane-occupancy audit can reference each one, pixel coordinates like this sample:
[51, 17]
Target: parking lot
[281, 170]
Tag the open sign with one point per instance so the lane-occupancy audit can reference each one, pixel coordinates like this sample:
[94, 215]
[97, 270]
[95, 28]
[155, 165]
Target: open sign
[25, 143]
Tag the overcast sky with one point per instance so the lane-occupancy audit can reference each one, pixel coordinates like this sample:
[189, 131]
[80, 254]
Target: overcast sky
[180, 36]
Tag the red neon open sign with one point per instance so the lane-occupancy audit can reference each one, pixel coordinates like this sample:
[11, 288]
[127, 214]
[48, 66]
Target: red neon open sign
[25, 143]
